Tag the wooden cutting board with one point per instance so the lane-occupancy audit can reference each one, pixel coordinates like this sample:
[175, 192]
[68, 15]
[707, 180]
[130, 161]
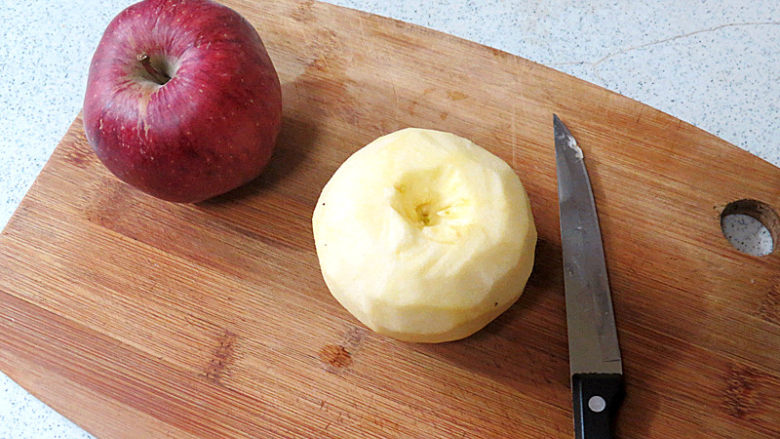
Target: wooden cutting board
[138, 318]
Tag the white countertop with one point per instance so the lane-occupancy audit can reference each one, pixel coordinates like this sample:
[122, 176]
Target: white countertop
[713, 63]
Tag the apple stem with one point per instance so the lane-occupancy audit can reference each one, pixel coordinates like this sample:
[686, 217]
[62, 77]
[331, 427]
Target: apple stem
[158, 76]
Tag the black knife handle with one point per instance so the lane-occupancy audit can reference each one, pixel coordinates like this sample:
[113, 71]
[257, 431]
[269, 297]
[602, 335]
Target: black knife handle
[597, 397]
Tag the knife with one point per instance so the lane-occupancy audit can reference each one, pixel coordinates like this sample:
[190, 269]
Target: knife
[594, 354]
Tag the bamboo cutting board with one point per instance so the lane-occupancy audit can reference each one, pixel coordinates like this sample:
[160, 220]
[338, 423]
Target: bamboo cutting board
[139, 318]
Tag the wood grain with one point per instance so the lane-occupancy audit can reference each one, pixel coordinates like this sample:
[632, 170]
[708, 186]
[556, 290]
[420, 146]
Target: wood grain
[140, 318]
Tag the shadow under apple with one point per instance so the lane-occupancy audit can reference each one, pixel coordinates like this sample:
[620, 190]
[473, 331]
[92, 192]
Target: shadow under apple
[296, 139]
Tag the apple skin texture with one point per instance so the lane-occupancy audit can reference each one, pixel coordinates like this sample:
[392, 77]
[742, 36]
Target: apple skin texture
[424, 236]
[211, 128]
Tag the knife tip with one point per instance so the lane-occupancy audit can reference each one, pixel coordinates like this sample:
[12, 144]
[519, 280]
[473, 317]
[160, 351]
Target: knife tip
[558, 125]
[559, 128]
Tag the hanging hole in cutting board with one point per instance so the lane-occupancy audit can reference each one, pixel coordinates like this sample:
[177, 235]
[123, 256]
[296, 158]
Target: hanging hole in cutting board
[751, 226]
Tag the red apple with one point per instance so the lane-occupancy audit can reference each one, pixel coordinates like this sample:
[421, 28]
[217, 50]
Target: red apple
[182, 99]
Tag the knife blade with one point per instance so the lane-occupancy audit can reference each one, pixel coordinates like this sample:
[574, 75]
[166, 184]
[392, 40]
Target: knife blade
[594, 353]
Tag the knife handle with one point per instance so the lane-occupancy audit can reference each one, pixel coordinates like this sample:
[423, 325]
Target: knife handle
[597, 397]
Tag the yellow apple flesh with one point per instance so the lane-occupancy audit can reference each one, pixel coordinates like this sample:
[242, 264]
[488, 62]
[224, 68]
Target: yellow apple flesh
[424, 236]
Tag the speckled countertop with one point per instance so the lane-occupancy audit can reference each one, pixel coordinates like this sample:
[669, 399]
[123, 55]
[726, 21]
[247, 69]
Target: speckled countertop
[713, 63]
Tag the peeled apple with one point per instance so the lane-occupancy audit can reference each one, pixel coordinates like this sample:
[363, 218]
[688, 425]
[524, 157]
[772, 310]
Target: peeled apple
[424, 236]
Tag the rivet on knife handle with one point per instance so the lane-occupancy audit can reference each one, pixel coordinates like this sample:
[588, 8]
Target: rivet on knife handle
[596, 398]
